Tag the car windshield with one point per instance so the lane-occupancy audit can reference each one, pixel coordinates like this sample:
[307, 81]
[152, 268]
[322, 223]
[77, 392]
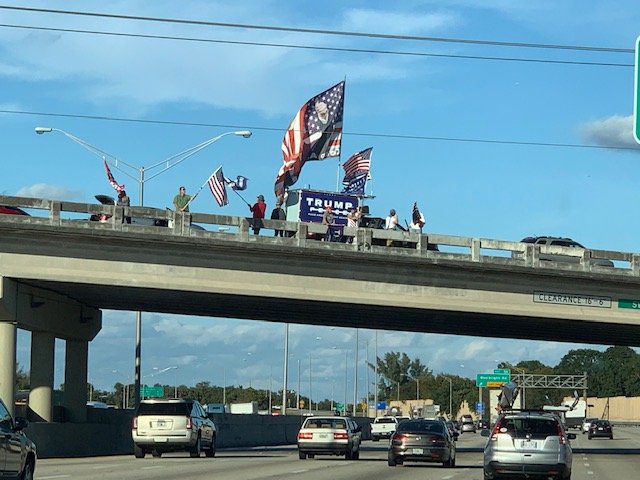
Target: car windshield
[529, 427]
[326, 423]
[421, 426]
[164, 409]
[385, 420]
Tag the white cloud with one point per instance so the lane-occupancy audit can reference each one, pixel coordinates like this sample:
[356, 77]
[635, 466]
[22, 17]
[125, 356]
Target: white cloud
[54, 192]
[615, 131]
[395, 22]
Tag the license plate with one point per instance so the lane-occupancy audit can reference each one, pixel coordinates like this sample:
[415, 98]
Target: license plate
[322, 436]
[529, 444]
[600, 428]
[418, 451]
[161, 424]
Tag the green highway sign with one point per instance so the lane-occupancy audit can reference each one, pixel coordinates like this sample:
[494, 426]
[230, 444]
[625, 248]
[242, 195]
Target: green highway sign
[151, 391]
[339, 407]
[503, 371]
[626, 303]
[482, 379]
[636, 99]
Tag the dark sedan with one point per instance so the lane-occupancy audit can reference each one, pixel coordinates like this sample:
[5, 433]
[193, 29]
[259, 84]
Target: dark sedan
[600, 428]
[421, 440]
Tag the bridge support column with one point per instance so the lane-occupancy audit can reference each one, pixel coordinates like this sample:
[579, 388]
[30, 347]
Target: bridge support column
[8, 363]
[75, 380]
[42, 367]
[8, 339]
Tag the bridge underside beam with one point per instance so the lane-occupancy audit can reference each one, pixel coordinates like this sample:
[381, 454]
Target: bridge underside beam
[312, 311]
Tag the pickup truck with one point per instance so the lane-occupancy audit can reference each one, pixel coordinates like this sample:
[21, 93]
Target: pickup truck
[384, 427]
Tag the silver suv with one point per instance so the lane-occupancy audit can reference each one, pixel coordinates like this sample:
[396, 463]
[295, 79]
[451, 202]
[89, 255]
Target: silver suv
[558, 257]
[165, 425]
[526, 444]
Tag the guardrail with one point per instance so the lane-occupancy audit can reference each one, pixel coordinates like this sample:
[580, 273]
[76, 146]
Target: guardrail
[203, 226]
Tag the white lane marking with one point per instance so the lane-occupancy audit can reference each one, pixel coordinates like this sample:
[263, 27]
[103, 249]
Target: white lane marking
[587, 465]
[98, 467]
[154, 467]
[53, 476]
[589, 472]
[300, 471]
[448, 477]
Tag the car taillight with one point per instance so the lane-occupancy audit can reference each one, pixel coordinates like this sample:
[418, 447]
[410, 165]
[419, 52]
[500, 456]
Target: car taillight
[496, 430]
[437, 439]
[340, 436]
[398, 438]
[135, 423]
[305, 435]
[189, 423]
[563, 440]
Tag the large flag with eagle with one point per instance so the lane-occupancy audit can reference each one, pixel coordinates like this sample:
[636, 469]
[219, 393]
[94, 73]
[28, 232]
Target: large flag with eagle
[315, 133]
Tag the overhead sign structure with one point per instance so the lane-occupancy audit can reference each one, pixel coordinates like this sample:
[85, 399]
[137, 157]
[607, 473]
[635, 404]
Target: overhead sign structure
[636, 96]
[483, 379]
[503, 371]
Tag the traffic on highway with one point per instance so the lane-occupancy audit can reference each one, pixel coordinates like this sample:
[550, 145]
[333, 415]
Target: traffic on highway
[599, 458]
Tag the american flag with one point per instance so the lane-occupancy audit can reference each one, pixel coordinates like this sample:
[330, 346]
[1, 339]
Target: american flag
[218, 188]
[315, 133]
[358, 162]
[116, 186]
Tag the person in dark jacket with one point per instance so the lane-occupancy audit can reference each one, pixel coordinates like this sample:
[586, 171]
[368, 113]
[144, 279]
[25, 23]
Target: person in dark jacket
[278, 213]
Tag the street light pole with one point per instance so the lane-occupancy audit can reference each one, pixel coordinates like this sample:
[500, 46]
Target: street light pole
[116, 163]
[285, 375]
[450, 398]
[355, 379]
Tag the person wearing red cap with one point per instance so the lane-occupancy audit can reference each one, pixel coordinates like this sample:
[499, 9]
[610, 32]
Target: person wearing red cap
[258, 209]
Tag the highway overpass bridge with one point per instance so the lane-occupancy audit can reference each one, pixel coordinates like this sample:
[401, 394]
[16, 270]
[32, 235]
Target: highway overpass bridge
[58, 270]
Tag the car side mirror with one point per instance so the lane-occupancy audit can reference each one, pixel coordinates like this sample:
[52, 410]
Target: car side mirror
[20, 423]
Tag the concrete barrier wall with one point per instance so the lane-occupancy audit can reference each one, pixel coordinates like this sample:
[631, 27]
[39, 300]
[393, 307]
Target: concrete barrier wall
[108, 432]
[622, 409]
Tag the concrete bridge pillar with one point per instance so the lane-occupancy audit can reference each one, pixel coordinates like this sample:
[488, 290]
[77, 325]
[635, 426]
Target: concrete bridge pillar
[42, 368]
[75, 380]
[8, 363]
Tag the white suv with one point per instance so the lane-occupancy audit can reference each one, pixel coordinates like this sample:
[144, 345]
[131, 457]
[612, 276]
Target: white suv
[165, 425]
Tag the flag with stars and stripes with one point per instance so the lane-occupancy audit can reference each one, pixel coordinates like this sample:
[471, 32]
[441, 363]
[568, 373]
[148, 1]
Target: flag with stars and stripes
[218, 187]
[315, 133]
[356, 163]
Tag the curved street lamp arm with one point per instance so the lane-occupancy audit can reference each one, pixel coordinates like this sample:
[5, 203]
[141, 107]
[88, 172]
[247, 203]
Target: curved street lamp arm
[112, 160]
[180, 157]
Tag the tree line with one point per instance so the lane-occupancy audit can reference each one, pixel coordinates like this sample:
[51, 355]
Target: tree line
[613, 372]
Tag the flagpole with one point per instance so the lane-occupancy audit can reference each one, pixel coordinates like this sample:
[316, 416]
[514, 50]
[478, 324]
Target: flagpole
[340, 155]
[236, 192]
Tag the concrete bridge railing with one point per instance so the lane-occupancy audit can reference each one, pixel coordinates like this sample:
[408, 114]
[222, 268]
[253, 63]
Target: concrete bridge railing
[203, 226]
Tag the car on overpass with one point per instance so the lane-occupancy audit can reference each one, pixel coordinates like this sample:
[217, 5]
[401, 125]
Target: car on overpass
[561, 242]
[7, 210]
[329, 436]
[175, 424]
[17, 452]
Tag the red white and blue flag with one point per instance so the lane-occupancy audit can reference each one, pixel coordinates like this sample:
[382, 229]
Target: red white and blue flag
[357, 163]
[315, 133]
[218, 187]
[112, 181]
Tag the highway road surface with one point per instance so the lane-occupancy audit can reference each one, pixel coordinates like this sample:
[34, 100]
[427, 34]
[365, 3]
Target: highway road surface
[597, 459]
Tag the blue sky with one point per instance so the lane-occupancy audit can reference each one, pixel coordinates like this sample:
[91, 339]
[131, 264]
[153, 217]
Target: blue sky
[488, 180]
